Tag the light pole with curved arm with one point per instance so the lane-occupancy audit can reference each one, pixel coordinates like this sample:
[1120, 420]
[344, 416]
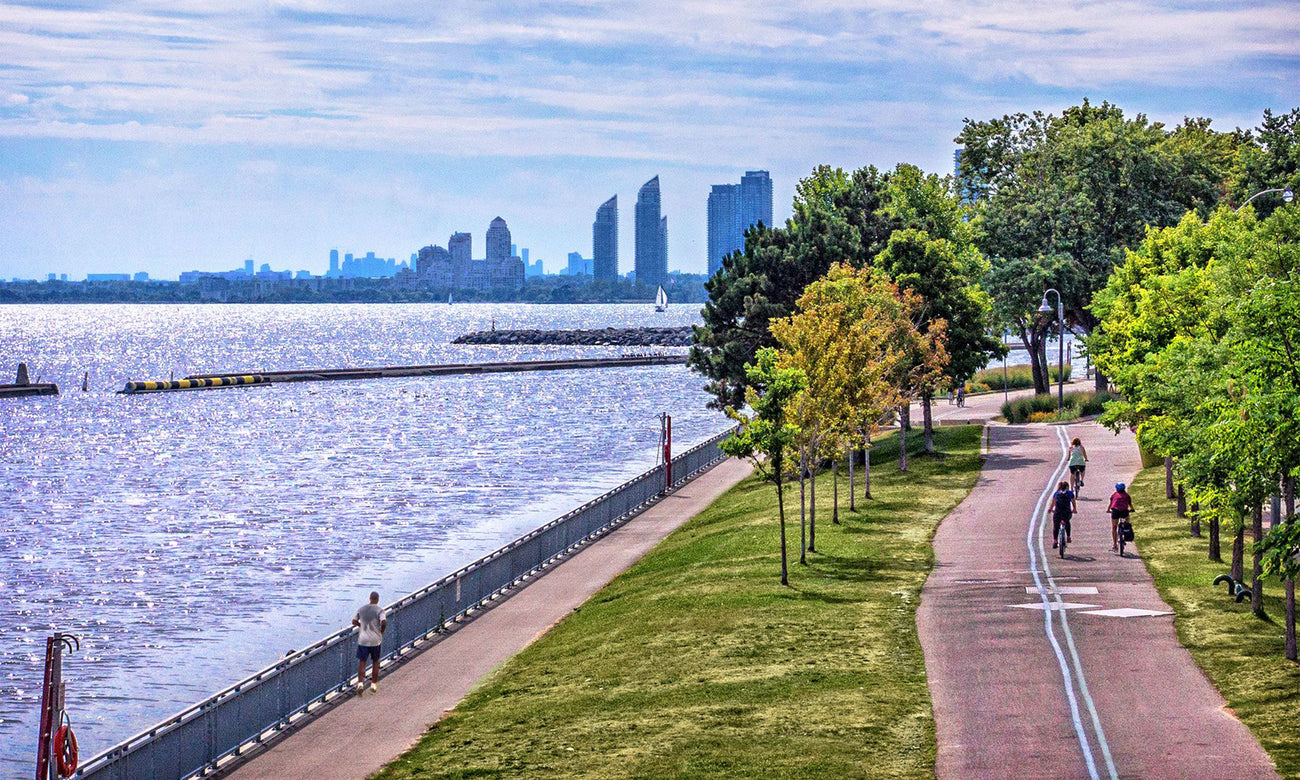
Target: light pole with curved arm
[1287, 196]
[1045, 308]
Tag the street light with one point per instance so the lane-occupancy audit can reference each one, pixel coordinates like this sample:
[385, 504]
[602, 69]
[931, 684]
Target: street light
[1287, 196]
[1046, 308]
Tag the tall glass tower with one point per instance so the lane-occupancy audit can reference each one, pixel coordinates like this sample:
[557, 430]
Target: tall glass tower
[651, 251]
[733, 209]
[604, 241]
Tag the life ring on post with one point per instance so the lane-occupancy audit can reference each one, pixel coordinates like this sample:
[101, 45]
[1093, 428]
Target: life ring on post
[65, 750]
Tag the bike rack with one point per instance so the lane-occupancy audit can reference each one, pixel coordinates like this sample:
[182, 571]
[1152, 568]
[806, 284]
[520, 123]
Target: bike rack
[1236, 588]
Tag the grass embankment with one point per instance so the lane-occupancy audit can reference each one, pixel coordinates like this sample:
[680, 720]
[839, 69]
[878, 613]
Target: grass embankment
[698, 663]
[1240, 653]
[1017, 378]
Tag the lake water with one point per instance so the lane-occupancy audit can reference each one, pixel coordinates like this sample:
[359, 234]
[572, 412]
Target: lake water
[192, 538]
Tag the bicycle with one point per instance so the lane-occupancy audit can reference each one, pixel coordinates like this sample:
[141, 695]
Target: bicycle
[1124, 531]
[1062, 536]
[1076, 478]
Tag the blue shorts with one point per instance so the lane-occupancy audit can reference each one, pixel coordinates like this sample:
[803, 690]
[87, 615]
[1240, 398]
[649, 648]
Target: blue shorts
[366, 652]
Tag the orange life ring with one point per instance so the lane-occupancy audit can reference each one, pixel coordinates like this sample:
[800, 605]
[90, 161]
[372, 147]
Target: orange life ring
[65, 751]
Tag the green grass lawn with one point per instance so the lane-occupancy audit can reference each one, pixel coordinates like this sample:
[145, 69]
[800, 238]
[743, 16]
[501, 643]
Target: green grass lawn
[1241, 654]
[698, 663]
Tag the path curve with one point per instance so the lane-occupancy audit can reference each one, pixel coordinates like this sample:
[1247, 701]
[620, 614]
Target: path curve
[1074, 690]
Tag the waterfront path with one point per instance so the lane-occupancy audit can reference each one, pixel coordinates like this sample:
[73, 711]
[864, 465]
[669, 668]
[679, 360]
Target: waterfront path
[356, 738]
[1062, 668]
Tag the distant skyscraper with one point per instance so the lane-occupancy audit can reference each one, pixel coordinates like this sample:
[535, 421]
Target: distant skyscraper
[498, 241]
[724, 223]
[651, 253]
[755, 200]
[733, 209]
[604, 240]
[334, 264]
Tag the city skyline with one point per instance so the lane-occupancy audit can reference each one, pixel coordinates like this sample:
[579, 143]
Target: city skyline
[156, 137]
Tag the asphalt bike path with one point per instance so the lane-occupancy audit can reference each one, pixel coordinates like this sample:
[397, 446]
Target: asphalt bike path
[358, 737]
[1048, 667]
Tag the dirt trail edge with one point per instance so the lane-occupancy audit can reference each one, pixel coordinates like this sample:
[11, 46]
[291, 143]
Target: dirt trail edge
[361, 735]
[1042, 666]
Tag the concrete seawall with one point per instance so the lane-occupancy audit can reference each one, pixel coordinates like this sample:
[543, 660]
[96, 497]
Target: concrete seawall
[328, 374]
[618, 337]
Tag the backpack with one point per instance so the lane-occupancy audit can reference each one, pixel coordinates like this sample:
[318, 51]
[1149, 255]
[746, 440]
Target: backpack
[1063, 498]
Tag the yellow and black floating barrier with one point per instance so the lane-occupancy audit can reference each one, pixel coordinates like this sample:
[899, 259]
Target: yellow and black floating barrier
[196, 384]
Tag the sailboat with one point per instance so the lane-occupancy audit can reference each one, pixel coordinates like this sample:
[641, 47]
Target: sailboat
[661, 299]
[448, 299]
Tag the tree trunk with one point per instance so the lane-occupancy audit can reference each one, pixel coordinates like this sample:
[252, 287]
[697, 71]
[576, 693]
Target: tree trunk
[1290, 620]
[1169, 478]
[902, 446]
[1257, 568]
[852, 500]
[905, 416]
[780, 508]
[1288, 497]
[1275, 509]
[866, 467]
[803, 517]
[1180, 509]
[928, 422]
[812, 507]
[1238, 550]
[1101, 382]
[835, 492]
[1215, 553]
[1196, 520]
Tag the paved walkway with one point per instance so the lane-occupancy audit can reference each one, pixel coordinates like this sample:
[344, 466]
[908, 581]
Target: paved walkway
[1062, 668]
[358, 737]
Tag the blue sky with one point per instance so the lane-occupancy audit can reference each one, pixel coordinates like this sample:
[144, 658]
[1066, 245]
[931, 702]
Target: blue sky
[176, 134]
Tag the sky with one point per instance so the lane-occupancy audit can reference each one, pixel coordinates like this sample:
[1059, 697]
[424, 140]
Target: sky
[172, 135]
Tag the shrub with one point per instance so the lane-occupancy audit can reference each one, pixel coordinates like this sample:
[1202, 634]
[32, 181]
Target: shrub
[1042, 408]
[1018, 377]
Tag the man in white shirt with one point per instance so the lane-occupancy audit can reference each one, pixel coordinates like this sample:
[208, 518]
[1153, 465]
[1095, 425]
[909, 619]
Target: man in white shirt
[372, 620]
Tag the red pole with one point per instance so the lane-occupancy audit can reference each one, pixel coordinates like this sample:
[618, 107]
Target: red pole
[47, 715]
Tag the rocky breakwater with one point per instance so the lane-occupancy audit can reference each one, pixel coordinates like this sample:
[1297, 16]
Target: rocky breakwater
[603, 337]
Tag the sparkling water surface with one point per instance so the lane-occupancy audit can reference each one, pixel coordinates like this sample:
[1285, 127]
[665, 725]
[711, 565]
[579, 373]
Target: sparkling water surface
[190, 539]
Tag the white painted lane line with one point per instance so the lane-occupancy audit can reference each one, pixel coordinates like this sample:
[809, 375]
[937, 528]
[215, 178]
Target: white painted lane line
[1066, 590]
[1064, 438]
[1127, 612]
[1055, 606]
[1066, 676]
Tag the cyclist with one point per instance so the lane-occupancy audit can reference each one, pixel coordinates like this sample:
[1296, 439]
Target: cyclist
[1078, 462]
[1063, 506]
[1121, 504]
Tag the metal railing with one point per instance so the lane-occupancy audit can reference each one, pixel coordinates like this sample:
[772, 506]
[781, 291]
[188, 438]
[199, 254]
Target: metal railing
[209, 735]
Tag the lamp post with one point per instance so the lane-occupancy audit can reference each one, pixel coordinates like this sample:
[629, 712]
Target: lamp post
[1287, 196]
[1046, 308]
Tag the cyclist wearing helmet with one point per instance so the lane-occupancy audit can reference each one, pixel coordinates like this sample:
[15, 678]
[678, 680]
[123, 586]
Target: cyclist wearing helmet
[1121, 503]
[1078, 460]
[1063, 507]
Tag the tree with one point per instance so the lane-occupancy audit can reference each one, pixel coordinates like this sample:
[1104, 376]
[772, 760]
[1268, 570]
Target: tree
[766, 437]
[837, 218]
[1269, 158]
[945, 274]
[855, 338]
[1059, 199]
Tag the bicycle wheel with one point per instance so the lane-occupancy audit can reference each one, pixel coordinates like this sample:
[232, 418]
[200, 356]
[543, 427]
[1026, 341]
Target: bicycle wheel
[1121, 544]
[1060, 539]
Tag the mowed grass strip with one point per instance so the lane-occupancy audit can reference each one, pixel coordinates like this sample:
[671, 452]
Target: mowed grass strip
[698, 663]
[1241, 654]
